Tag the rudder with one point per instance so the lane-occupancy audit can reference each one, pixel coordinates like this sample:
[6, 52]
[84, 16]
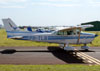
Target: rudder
[9, 25]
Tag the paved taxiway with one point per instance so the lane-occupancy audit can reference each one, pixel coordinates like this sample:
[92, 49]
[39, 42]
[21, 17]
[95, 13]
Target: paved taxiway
[43, 55]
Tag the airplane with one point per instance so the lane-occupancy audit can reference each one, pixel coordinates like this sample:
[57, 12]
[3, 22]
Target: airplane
[62, 35]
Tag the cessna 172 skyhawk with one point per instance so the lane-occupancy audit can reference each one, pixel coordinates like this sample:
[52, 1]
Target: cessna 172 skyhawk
[62, 35]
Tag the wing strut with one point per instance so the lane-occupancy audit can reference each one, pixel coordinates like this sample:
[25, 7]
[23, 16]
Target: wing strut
[79, 36]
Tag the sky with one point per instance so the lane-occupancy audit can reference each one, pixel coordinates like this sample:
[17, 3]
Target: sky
[50, 12]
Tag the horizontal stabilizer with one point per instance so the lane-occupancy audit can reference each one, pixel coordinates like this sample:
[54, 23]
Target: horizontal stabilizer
[16, 37]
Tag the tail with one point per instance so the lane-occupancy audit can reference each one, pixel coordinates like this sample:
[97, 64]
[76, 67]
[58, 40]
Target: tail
[9, 25]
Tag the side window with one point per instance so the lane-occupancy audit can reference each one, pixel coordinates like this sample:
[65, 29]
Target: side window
[69, 32]
[65, 33]
[60, 33]
[76, 31]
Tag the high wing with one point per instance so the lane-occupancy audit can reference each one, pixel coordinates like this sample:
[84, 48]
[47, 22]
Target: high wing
[73, 27]
[66, 28]
[85, 26]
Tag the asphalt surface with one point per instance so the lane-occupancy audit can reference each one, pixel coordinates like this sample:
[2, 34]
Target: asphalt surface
[42, 55]
[94, 52]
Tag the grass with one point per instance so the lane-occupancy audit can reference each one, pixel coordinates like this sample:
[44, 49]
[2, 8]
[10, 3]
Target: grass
[10, 42]
[49, 68]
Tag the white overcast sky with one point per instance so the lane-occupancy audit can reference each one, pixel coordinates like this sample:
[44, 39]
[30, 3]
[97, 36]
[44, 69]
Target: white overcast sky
[50, 12]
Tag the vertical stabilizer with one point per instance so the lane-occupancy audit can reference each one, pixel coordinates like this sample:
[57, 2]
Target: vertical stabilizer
[9, 25]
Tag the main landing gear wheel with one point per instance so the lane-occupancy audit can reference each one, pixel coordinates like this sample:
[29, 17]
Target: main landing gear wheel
[68, 48]
[86, 48]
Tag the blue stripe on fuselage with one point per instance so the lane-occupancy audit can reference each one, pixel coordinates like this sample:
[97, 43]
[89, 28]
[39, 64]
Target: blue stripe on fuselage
[53, 37]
